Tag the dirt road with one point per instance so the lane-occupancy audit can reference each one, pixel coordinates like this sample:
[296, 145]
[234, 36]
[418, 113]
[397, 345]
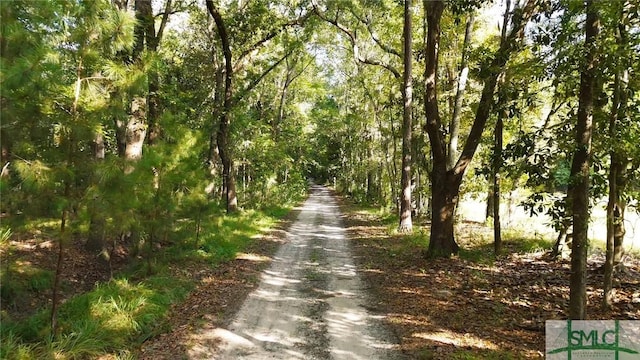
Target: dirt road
[310, 303]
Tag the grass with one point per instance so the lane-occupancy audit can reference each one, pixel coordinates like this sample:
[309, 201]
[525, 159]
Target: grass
[116, 317]
[112, 317]
[19, 279]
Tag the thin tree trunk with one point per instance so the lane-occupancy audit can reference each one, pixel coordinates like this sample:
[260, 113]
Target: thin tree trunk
[611, 218]
[614, 170]
[55, 295]
[394, 166]
[617, 176]
[463, 75]
[96, 243]
[621, 160]
[406, 225]
[497, 165]
[384, 145]
[497, 148]
[580, 169]
[223, 134]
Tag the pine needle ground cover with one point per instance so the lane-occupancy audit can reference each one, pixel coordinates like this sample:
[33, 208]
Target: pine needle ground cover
[474, 305]
[111, 318]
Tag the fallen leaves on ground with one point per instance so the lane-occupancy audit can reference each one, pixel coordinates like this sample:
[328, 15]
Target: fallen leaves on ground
[457, 308]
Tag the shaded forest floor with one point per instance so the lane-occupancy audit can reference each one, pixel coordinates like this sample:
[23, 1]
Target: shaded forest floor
[474, 305]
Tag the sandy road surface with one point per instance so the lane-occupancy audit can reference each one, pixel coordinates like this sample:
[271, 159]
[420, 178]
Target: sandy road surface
[310, 302]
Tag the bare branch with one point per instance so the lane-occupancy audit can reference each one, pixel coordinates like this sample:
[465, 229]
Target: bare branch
[296, 22]
[354, 43]
[257, 80]
[386, 48]
[163, 22]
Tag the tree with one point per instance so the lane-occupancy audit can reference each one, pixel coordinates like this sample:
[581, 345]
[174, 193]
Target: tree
[497, 146]
[616, 19]
[231, 96]
[446, 183]
[405, 202]
[223, 131]
[579, 185]
[72, 50]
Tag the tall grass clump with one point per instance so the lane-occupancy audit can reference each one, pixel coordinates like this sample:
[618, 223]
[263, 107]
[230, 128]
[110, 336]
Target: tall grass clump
[115, 316]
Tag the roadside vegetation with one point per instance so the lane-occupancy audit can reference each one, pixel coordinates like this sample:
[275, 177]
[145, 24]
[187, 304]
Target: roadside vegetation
[104, 315]
[139, 138]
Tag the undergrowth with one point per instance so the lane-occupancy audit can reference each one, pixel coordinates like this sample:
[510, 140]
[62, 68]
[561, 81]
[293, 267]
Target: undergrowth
[116, 317]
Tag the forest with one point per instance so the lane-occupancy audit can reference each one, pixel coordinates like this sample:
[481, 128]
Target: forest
[145, 144]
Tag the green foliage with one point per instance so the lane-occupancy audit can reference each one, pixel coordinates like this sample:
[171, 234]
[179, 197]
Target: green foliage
[115, 316]
[5, 235]
[21, 280]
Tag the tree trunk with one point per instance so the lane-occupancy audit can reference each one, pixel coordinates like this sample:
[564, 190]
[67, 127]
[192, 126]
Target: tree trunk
[617, 177]
[153, 41]
[228, 176]
[488, 210]
[146, 37]
[463, 75]
[406, 225]
[561, 248]
[444, 191]
[612, 211]
[5, 154]
[223, 134]
[55, 295]
[497, 145]
[131, 136]
[580, 169]
[64, 216]
[96, 243]
[619, 230]
[444, 200]
[153, 108]
[393, 164]
[621, 159]
[135, 133]
[289, 77]
[497, 165]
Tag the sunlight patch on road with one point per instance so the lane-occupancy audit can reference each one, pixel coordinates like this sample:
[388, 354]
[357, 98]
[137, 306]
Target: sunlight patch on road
[277, 279]
[252, 257]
